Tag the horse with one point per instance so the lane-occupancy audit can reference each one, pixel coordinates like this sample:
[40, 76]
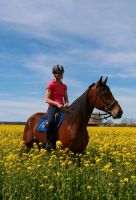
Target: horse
[73, 130]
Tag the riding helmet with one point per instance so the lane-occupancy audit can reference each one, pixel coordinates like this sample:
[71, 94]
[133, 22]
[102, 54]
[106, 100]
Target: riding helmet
[58, 68]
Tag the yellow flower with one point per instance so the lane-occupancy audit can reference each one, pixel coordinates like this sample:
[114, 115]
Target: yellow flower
[42, 151]
[70, 162]
[42, 185]
[133, 178]
[89, 187]
[58, 174]
[107, 167]
[63, 164]
[58, 144]
[69, 179]
[38, 166]
[86, 164]
[119, 174]
[36, 157]
[29, 169]
[125, 180]
[11, 157]
[53, 157]
[50, 187]
[97, 160]
[45, 177]
[127, 163]
[88, 153]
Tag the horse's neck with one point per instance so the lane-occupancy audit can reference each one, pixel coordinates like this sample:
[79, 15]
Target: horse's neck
[82, 109]
[86, 113]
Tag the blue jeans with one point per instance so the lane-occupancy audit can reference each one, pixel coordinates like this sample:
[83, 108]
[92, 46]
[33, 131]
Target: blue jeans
[51, 134]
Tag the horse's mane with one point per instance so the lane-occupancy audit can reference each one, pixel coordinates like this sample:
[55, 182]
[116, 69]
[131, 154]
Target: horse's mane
[79, 110]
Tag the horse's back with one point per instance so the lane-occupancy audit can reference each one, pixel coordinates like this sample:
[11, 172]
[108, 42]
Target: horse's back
[36, 116]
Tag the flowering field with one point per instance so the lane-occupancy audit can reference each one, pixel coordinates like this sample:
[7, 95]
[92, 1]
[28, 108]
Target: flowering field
[106, 171]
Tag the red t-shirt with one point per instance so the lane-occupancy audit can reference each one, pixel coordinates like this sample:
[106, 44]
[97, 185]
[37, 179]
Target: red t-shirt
[57, 91]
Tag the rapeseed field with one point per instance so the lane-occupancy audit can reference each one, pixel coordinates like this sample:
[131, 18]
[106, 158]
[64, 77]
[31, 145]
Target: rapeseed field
[106, 171]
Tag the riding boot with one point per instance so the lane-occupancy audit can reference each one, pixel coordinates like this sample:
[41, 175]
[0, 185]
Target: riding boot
[48, 143]
[53, 138]
[51, 143]
[54, 145]
[50, 127]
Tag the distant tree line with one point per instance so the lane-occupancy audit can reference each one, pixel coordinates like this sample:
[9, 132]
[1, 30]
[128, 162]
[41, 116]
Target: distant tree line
[95, 120]
[14, 123]
[124, 122]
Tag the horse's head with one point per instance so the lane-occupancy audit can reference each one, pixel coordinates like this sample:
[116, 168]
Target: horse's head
[104, 100]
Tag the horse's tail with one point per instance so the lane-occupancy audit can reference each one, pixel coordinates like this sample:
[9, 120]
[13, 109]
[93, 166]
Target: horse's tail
[28, 136]
[27, 140]
[28, 132]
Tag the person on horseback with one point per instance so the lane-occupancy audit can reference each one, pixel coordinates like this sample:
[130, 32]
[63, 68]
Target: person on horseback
[57, 98]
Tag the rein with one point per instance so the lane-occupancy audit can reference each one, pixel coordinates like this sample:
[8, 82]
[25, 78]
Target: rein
[100, 114]
[105, 117]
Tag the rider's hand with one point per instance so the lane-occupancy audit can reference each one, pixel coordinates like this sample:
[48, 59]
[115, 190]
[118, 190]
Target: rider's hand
[65, 105]
[60, 105]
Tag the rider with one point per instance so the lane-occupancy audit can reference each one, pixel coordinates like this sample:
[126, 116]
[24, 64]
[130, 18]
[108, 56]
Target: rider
[57, 98]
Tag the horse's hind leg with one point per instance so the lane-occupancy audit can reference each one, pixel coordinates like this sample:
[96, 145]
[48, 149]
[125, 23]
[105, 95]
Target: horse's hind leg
[39, 146]
[25, 148]
[28, 139]
[28, 146]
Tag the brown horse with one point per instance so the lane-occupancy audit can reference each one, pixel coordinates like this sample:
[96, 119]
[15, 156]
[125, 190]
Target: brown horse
[73, 130]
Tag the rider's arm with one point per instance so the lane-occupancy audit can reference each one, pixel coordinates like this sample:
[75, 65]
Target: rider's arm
[66, 102]
[49, 100]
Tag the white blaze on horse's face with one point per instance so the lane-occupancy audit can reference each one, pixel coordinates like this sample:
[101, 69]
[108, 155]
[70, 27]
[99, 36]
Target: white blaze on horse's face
[106, 101]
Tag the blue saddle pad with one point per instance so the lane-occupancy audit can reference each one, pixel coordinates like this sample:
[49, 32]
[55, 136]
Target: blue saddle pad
[41, 127]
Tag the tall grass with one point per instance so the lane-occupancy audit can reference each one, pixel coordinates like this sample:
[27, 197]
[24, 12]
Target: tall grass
[106, 171]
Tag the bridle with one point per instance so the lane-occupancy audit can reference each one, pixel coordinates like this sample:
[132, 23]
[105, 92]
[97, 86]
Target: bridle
[107, 107]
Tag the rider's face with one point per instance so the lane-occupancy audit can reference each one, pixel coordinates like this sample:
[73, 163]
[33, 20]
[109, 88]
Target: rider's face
[58, 75]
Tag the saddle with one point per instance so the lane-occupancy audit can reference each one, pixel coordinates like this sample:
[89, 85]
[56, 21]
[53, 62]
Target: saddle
[43, 122]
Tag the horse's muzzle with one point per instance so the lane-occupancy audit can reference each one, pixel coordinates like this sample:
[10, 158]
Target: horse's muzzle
[116, 115]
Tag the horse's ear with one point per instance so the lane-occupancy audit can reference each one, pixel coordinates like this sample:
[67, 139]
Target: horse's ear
[105, 81]
[99, 82]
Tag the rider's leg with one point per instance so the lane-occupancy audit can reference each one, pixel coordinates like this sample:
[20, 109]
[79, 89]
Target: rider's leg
[50, 127]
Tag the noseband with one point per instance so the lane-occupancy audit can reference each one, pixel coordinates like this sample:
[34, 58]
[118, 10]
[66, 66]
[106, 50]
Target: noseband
[109, 107]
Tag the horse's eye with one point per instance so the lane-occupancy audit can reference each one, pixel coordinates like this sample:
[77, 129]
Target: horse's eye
[105, 94]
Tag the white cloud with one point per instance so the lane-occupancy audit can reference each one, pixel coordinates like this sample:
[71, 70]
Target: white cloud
[20, 110]
[43, 64]
[121, 59]
[125, 91]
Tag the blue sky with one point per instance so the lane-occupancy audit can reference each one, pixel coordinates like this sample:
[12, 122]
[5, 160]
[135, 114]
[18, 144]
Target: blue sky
[89, 38]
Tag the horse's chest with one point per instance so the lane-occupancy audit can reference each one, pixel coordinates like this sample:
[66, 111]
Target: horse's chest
[78, 135]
